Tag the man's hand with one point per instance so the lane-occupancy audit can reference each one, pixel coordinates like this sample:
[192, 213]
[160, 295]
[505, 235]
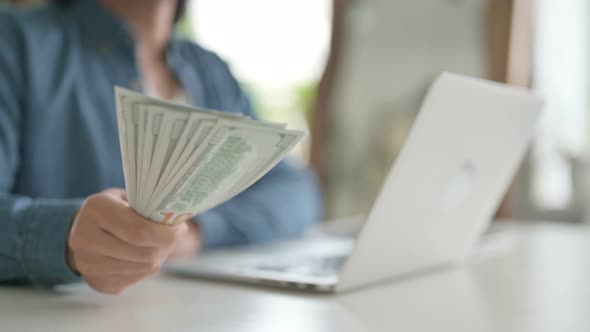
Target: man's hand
[189, 243]
[112, 247]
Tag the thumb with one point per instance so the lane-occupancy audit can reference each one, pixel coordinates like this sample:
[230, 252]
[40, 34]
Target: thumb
[116, 193]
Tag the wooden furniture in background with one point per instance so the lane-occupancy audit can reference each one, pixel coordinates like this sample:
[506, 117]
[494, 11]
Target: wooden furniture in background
[510, 35]
[320, 114]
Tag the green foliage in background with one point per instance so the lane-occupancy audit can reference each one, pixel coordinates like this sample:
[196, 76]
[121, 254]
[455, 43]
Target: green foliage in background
[183, 27]
[302, 105]
[306, 95]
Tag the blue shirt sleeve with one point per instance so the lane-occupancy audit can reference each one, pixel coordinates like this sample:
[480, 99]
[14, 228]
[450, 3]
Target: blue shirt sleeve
[283, 203]
[32, 231]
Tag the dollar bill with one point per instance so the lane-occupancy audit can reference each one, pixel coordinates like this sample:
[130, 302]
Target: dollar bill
[198, 128]
[167, 128]
[207, 179]
[179, 161]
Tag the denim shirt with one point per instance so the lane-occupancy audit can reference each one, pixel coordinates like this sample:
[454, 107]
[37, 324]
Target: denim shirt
[59, 141]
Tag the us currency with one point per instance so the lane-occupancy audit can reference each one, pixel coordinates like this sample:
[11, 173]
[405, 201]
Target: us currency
[179, 161]
[199, 127]
[287, 140]
[126, 136]
[166, 127]
[228, 155]
[196, 178]
[128, 124]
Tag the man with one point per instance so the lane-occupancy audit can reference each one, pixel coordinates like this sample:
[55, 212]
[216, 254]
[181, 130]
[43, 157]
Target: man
[59, 152]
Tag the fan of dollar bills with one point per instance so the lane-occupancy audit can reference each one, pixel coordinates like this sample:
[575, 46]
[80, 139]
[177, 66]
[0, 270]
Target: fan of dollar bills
[179, 161]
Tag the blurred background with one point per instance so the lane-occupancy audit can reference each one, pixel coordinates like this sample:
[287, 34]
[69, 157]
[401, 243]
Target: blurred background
[353, 74]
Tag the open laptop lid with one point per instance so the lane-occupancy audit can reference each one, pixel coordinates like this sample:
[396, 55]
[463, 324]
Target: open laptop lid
[443, 189]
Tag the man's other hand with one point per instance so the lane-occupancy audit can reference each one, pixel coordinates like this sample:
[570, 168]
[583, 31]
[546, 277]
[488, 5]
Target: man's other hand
[113, 247]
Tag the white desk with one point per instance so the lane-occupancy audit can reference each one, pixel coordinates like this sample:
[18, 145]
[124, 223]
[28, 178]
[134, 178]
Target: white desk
[523, 278]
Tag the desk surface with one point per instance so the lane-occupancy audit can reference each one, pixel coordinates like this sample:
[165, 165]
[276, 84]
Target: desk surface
[522, 278]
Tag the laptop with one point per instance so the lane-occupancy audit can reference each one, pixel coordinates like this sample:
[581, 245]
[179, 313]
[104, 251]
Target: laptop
[439, 197]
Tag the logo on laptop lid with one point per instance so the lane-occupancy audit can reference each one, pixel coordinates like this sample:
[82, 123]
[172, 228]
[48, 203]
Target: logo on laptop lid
[459, 188]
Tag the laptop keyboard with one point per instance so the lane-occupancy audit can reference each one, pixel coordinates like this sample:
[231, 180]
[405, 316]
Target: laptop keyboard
[314, 266]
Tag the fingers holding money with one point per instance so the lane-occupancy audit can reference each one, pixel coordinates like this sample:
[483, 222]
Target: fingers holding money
[114, 284]
[108, 245]
[95, 266]
[128, 226]
[109, 241]
[138, 231]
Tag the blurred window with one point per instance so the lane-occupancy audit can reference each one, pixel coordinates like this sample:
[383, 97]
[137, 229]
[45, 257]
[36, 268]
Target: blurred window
[561, 75]
[277, 49]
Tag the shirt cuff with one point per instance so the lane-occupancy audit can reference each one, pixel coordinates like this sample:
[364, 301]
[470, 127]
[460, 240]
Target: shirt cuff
[44, 235]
